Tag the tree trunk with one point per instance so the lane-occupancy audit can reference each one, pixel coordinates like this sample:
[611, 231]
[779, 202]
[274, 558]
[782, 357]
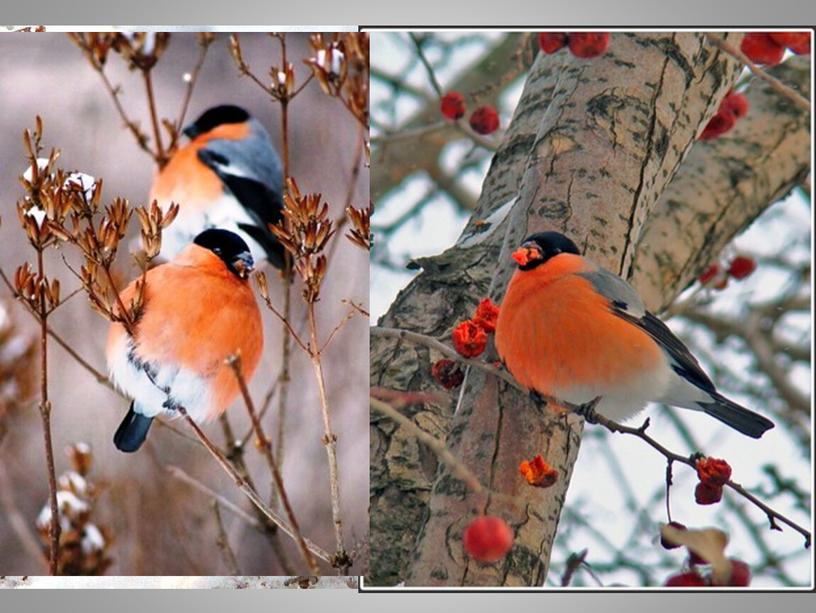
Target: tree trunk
[591, 147]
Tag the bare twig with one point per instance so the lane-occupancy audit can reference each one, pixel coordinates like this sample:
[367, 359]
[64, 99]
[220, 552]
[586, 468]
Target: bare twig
[223, 542]
[774, 517]
[791, 94]
[430, 441]
[245, 488]
[265, 446]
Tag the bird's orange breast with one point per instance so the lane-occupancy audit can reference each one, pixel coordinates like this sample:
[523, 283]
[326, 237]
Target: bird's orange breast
[188, 181]
[555, 332]
[197, 314]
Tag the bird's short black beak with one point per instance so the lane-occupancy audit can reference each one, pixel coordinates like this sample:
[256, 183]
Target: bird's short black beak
[243, 264]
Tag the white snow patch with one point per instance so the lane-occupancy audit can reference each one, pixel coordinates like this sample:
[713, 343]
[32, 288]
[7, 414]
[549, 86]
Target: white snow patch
[92, 539]
[490, 224]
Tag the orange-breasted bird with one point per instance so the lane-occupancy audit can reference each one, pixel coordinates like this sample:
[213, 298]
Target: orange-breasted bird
[228, 176]
[569, 329]
[198, 310]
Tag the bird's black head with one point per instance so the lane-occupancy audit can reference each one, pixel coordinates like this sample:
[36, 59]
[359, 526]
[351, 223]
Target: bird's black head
[214, 117]
[230, 247]
[538, 248]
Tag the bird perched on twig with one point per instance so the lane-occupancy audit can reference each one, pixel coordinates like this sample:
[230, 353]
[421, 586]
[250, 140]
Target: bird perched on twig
[228, 176]
[571, 330]
[198, 310]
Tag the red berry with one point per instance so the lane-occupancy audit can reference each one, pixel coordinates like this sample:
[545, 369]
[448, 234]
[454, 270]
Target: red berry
[488, 538]
[762, 49]
[740, 574]
[484, 120]
[588, 44]
[668, 545]
[447, 373]
[709, 273]
[713, 471]
[736, 104]
[707, 494]
[452, 105]
[798, 42]
[718, 125]
[469, 339]
[742, 266]
[487, 313]
[550, 42]
[688, 579]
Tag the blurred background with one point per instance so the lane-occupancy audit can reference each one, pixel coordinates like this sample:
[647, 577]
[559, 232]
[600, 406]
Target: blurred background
[151, 522]
[426, 178]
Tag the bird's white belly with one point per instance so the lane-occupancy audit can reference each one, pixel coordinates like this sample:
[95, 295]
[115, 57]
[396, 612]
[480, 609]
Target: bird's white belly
[624, 399]
[225, 213]
[185, 387]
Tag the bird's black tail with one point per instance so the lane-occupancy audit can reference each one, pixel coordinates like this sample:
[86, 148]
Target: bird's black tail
[749, 423]
[132, 432]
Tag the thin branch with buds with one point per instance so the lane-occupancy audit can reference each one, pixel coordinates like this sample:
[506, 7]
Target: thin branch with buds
[587, 411]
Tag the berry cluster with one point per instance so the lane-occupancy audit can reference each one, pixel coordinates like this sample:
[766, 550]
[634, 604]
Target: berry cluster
[483, 120]
[713, 474]
[706, 564]
[716, 276]
[581, 44]
[768, 48]
[732, 107]
[469, 339]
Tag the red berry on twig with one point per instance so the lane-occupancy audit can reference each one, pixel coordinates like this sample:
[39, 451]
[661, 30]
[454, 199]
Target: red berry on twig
[550, 42]
[487, 313]
[447, 373]
[709, 273]
[762, 49]
[588, 44]
[740, 574]
[487, 538]
[736, 104]
[713, 471]
[718, 125]
[741, 267]
[484, 120]
[798, 42]
[469, 339]
[707, 494]
[452, 105]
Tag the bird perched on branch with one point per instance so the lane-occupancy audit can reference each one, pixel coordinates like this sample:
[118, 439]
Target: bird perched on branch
[198, 310]
[228, 176]
[571, 330]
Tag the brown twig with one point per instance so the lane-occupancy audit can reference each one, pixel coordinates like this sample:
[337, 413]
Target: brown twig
[45, 414]
[773, 516]
[434, 444]
[245, 488]
[204, 45]
[341, 558]
[798, 99]
[223, 542]
[265, 447]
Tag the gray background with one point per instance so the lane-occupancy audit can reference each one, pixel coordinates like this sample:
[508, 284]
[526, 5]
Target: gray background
[507, 12]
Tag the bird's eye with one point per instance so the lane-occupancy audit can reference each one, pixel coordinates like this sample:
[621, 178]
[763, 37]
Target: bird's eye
[217, 250]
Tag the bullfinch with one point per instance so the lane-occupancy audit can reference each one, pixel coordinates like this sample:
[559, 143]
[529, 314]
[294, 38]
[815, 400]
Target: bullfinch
[569, 329]
[198, 310]
[228, 176]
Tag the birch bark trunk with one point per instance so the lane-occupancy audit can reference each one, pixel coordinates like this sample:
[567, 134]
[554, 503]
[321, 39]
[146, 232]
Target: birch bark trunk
[591, 151]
